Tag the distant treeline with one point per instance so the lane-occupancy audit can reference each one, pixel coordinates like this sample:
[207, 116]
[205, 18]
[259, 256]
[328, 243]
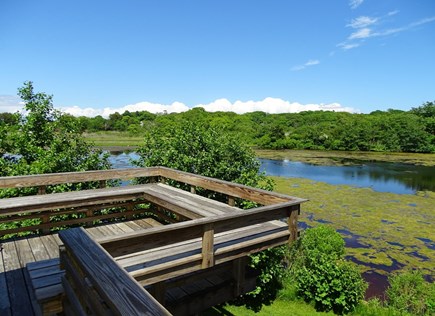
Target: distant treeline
[391, 130]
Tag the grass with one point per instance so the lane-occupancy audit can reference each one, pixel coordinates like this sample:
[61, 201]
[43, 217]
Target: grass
[285, 304]
[110, 139]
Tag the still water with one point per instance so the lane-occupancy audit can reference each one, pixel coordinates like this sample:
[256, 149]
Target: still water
[381, 177]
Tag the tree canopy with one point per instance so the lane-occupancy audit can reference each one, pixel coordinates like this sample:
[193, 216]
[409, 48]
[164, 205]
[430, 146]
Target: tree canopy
[43, 140]
[386, 131]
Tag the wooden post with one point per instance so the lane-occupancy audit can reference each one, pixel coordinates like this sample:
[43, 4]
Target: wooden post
[90, 214]
[293, 222]
[102, 184]
[45, 219]
[159, 292]
[192, 189]
[239, 267]
[231, 201]
[208, 246]
[129, 208]
[41, 189]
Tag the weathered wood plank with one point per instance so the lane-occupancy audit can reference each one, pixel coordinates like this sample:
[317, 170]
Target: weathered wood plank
[73, 177]
[160, 236]
[38, 249]
[5, 304]
[174, 260]
[232, 189]
[51, 245]
[24, 252]
[193, 202]
[41, 268]
[74, 307]
[152, 222]
[208, 246]
[19, 299]
[36, 203]
[162, 200]
[119, 289]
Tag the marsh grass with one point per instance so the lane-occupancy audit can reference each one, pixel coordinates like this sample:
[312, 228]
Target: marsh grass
[113, 138]
[340, 158]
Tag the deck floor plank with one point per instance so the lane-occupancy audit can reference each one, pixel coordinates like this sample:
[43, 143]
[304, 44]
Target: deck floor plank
[133, 225]
[50, 245]
[95, 232]
[38, 249]
[5, 304]
[20, 301]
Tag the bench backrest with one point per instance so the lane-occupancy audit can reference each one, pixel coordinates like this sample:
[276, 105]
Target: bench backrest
[95, 283]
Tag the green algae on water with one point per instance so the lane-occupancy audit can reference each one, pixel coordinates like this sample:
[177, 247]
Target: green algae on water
[391, 231]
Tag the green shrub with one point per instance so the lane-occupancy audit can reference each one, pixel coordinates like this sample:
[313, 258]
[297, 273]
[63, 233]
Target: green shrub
[409, 292]
[321, 273]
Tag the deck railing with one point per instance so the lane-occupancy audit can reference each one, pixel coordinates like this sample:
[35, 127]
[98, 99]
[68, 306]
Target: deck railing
[24, 214]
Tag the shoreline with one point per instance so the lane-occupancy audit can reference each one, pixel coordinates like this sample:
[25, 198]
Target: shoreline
[341, 158]
[324, 157]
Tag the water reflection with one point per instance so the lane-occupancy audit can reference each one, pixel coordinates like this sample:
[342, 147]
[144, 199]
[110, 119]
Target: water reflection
[381, 177]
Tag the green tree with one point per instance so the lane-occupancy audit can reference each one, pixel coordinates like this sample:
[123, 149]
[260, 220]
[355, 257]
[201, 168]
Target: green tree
[45, 141]
[198, 148]
[425, 110]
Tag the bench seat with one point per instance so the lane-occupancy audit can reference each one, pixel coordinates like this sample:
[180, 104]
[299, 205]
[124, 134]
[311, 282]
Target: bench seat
[162, 263]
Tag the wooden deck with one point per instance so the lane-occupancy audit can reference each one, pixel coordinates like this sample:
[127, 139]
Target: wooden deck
[17, 297]
[193, 257]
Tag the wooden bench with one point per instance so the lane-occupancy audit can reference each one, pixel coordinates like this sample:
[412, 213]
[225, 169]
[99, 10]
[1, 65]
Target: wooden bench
[45, 276]
[94, 284]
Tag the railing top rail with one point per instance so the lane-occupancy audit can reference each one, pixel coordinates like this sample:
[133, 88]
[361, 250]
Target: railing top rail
[74, 177]
[232, 189]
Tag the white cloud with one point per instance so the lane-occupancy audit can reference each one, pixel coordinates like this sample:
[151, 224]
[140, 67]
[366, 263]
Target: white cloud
[311, 62]
[141, 106]
[422, 21]
[361, 33]
[10, 103]
[271, 105]
[355, 3]
[268, 105]
[362, 21]
[347, 46]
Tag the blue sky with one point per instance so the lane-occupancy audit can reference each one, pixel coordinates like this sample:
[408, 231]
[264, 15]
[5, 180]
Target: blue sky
[97, 57]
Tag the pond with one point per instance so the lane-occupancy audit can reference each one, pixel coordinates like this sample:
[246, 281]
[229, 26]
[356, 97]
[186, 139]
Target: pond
[381, 177]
